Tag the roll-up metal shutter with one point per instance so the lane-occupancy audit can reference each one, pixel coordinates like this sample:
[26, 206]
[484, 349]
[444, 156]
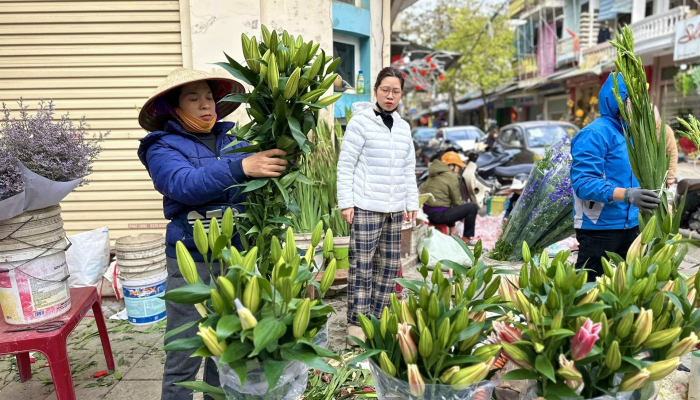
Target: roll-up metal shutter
[100, 59]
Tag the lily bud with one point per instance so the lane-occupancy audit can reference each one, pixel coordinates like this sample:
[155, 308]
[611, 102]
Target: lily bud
[200, 238]
[433, 307]
[661, 369]
[227, 289]
[662, 338]
[328, 243]
[236, 258]
[560, 277]
[201, 309]
[217, 302]
[208, 335]
[275, 250]
[505, 290]
[328, 276]
[478, 248]
[651, 286]
[638, 287]
[471, 289]
[448, 374]
[620, 279]
[643, 324]
[425, 343]
[661, 322]
[248, 321]
[461, 321]
[536, 275]
[415, 381]
[524, 278]
[393, 325]
[590, 297]
[425, 256]
[395, 305]
[316, 235]
[443, 334]
[683, 347]
[437, 277]
[420, 320]
[557, 320]
[301, 318]
[423, 298]
[386, 365]
[250, 258]
[624, 326]
[188, 268]
[635, 251]
[251, 295]
[607, 268]
[657, 303]
[518, 356]
[408, 347]
[469, 375]
[367, 326]
[384, 322]
[214, 232]
[648, 232]
[696, 281]
[567, 369]
[526, 255]
[487, 351]
[634, 380]
[604, 328]
[406, 316]
[613, 358]
[581, 279]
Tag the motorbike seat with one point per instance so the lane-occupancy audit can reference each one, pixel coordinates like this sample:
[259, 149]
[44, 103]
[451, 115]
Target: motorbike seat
[510, 172]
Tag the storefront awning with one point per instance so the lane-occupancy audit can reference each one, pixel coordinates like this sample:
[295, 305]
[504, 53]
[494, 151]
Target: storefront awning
[596, 70]
[474, 104]
[610, 8]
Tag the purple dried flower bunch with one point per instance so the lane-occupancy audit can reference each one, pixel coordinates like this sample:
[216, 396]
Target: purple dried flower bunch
[10, 176]
[57, 149]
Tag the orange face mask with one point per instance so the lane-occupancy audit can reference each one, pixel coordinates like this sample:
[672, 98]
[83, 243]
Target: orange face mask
[194, 124]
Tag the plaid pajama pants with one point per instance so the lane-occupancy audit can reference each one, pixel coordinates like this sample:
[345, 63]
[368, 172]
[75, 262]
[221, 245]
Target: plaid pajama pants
[375, 258]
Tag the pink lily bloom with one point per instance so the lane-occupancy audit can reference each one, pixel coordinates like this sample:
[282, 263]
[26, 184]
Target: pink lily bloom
[582, 343]
[507, 333]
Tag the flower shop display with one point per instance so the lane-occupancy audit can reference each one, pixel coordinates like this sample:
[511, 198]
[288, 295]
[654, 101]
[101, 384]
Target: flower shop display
[43, 158]
[425, 346]
[263, 333]
[604, 339]
[288, 77]
[543, 214]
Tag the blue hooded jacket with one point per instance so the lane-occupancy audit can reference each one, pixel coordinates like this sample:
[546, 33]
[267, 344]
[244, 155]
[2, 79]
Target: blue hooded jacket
[190, 176]
[601, 164]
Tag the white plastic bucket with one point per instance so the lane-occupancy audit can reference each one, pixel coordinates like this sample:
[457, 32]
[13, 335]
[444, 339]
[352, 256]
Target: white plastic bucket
[140, 257]
[36, 287]
[142, 298]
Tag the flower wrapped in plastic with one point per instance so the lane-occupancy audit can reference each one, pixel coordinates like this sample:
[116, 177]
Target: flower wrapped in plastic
[543, 214]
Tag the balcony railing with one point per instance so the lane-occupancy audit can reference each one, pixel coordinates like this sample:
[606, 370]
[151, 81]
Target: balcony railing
[565, 51]
[598, 54]
[657, 31]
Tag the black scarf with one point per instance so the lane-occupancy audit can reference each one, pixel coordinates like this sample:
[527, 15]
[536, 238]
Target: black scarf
[387, 117]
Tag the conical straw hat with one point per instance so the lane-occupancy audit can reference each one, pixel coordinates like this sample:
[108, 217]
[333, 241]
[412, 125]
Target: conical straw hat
[152, 119]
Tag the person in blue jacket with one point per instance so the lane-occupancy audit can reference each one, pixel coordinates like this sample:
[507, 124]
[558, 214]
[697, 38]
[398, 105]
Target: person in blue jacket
[607, 197]
[186, 158]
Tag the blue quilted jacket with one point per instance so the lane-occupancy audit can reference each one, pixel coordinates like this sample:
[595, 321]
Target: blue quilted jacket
[190, 176]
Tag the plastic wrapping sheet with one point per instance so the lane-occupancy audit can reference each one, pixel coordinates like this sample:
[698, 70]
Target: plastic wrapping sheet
[390, 388]
[290, 386]
[649, 392]
[39, 192]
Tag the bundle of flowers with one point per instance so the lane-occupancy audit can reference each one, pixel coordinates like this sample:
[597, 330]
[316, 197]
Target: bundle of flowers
[10, 175]
[586, 340]
[544, 213]
[254, 327]
[57, 149]
[426, 345]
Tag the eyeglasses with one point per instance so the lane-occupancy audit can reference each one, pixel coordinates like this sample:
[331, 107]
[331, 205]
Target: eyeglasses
[386, 90]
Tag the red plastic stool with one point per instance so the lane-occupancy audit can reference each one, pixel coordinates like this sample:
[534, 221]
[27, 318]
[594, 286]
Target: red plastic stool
[441, 227]
[54, 344]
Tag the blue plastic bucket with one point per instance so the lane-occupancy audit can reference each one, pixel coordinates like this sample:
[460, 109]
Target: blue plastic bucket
[142, 298]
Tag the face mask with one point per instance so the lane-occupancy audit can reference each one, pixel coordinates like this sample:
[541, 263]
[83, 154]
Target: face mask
[193, 124]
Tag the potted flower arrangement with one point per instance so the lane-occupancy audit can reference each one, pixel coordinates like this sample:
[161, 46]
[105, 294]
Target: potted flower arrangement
[426, 346]
[263, 333]
[604, 339]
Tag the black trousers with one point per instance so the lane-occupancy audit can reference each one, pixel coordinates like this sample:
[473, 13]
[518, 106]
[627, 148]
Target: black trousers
[592, 245]
[466, 212]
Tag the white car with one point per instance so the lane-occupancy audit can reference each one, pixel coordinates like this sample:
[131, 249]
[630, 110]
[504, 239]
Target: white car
[465, 136]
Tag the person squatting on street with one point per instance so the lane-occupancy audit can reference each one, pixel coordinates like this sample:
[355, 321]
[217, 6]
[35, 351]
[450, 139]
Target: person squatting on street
[376, 185]
[516, 187]
[185, 156]
[446, 207]
[607, 196]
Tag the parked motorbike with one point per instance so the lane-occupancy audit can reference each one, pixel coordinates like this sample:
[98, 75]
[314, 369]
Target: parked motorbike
[689, 216]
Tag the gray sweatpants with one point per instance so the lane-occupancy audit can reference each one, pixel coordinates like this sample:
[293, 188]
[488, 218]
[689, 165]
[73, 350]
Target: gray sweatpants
[179, 366]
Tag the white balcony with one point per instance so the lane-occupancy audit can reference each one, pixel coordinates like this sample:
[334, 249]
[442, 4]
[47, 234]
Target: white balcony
[658, 31]
[601, 53]
[565, 51]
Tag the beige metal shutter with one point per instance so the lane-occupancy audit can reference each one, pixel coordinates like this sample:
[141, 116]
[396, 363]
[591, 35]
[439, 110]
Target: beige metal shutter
[100, 59]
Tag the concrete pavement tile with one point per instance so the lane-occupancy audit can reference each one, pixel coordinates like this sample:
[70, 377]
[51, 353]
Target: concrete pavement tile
[142, 390]
[30, 390]
[149, 367]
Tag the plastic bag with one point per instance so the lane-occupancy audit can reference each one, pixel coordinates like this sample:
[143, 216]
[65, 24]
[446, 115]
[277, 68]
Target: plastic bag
[442, 247]
[88, 257]
[291, 385]
[390, 388]
[694, 381]
[650, 391]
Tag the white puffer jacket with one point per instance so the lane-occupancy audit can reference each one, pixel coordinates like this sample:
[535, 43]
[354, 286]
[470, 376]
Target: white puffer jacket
[376, 167]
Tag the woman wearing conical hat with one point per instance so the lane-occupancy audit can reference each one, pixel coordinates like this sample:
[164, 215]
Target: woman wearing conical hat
[186, 157]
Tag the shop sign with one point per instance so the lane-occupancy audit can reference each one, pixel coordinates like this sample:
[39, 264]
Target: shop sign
[687, 44]
[526, 100]
[509, 102]
[582, 80]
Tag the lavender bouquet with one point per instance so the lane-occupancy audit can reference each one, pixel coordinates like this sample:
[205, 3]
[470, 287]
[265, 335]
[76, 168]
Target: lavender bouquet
[544, 213]
[10, 177]
[56, 149]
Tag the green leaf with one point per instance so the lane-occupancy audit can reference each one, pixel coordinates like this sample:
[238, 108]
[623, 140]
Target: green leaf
[520, 375]
[190, 294]
[273, 371]
[202, 352]
[586, 288]
[323, 352]
[241, 369]
[216, 393]
[586, 309]
[411, 284]
[236, 98]
[456, 267]
[450, 361]
[184, 344]
[235, 352]
[301, 178]
[559, 332]
[308, 357]
[182, 328]
[637, 363]
[255, 184]
[296, 132]
[676, 301]
[227, 326]
[289, 178]
[545, 367]
[245, 149]
[312, 105]
[470, 331]
[367, 354]
[561, 390]
[267, 331]
[283, 190]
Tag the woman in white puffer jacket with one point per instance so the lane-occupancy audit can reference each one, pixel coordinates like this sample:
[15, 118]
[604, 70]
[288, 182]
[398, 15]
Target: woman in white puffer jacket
[376, 190]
